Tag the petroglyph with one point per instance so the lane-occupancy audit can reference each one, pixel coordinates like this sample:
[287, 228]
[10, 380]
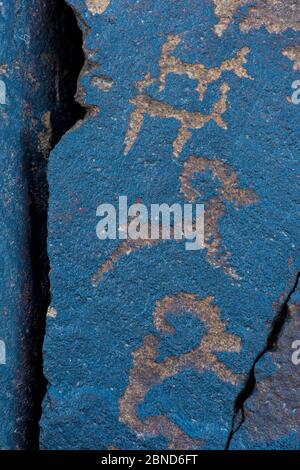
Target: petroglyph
[226, 10]
[189, 120]
[125, 249]
[276, 15]
[97, 7]
[203, 75]
[169, 64]
[228, 191]
[130, 246]
[147, 372]
[228, 178]
[293, 53]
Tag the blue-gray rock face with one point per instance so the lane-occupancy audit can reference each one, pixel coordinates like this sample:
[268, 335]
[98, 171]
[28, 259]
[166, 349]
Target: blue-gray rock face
[33, 94]
[18, 131]
[148, 345]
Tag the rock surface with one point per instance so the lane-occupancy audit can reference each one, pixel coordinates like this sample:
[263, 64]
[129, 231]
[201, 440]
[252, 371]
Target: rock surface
[273, 411]
[150, 344]
[33, 95]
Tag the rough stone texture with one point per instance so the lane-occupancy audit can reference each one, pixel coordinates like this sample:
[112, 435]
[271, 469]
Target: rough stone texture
[31, 94]
[20, 123]
[275, 15]
[148, 345]
[273, 411]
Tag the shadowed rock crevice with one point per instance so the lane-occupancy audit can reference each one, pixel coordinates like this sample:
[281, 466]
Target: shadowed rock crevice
[56, 60]
[250, 384]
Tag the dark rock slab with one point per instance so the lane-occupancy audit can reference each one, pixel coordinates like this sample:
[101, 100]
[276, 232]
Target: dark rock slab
[34, 95]
[148, 345]
[273, 411]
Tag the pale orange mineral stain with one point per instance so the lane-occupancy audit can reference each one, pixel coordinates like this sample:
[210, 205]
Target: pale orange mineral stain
[97, 7]
[52, 312]
[226, 11]
[103, 83]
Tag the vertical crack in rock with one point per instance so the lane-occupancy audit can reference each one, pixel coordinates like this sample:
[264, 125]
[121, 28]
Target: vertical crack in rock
[271, 343]
[61, 55]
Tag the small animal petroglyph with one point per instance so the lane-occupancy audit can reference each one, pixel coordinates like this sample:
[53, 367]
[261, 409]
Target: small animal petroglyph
[188, 120]
[145, 104]
[147, 372]
[199, 72]
[227, 191]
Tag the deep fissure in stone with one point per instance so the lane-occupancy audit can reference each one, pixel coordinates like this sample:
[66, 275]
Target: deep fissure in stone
[57, 58]
[271, 343]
